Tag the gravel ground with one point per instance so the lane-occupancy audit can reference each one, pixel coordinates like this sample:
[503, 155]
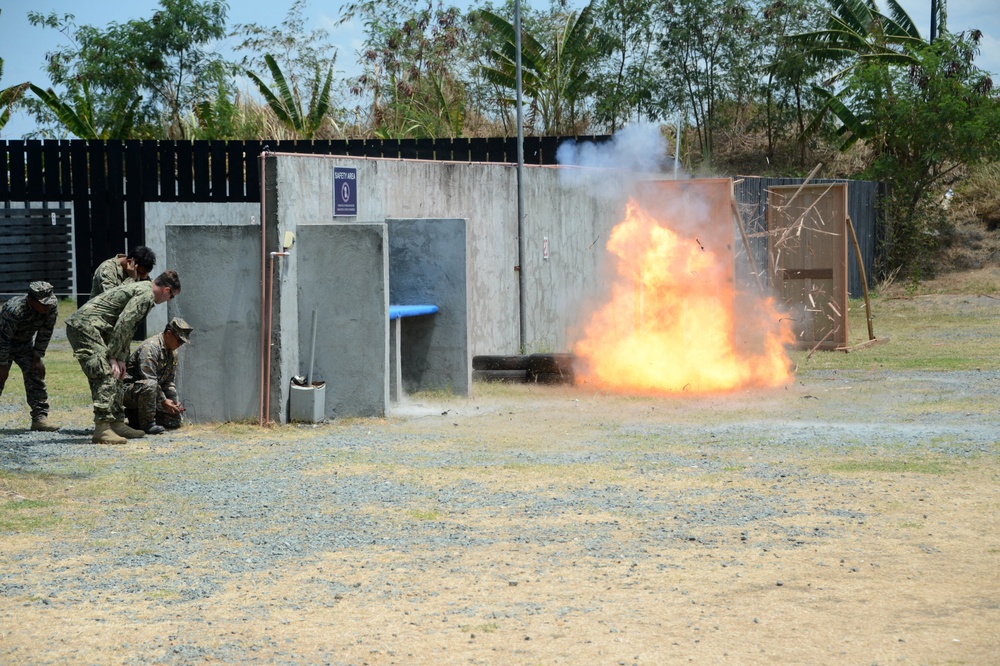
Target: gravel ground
[526, 525]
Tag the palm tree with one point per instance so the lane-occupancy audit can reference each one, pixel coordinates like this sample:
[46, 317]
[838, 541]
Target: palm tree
[554, 78]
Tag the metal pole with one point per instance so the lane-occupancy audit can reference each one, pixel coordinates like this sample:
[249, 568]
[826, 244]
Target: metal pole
[677, 142]
[934, 12]
[312, 352]
[520, 173]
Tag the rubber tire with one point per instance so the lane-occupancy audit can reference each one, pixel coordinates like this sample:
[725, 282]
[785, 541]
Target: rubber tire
[501, 376]
[488, 362]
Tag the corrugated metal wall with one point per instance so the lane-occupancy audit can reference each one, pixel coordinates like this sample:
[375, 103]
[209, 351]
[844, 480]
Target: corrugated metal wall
[863, 205]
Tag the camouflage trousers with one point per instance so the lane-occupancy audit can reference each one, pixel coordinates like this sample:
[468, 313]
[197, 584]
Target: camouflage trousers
[35, 391]
[92, 354]
[143, 409]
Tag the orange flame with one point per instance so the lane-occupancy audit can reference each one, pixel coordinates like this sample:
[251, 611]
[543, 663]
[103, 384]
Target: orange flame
[673, 321]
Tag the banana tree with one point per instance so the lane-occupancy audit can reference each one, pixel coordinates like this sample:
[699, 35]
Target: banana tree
[77, 115]
[287, 103]
[858, 40]
[554, 77]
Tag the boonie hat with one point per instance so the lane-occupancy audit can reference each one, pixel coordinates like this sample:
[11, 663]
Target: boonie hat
[42, 292]
[180, 328]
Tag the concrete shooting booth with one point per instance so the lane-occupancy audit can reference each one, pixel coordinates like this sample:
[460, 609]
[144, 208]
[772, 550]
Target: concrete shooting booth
[252, 294]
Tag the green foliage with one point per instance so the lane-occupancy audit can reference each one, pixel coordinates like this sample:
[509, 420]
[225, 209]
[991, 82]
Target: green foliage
[413, 61]
[296, 59]
[628, 73]
[704, 42]
[163, 60]
[78, 116]
[287, 102]
[555, 68]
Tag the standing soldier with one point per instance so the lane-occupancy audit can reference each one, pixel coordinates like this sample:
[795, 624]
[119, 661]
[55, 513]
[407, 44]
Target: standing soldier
[99, 333]
[119, 269]
[151, 401]
[26, 324]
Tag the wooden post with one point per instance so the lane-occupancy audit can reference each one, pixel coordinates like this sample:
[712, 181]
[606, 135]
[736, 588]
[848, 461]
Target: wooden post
[746, 243]
[864, 278]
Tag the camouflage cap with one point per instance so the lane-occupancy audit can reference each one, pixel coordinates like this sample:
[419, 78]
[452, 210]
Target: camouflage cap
[180, 328]
[42, 292]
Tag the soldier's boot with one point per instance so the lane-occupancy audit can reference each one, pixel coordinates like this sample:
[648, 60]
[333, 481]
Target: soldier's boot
[103, 434]
[155, 429]
[42, 424]
[125, 431]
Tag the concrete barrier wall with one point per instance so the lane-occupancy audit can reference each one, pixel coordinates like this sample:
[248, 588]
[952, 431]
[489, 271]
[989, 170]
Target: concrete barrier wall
[427, 265]
[576, 218]
[219, 371]
[343, 275]
[159, 215]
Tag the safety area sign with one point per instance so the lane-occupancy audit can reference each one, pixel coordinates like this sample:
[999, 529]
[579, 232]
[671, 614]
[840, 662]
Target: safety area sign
[345, 191]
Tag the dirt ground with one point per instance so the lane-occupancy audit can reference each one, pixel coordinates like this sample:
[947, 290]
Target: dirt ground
[852, 517]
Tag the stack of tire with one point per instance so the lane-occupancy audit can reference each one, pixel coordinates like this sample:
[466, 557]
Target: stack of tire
[531, 368]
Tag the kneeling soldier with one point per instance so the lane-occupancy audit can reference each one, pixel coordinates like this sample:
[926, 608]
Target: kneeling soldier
[151, 402]
[26, 324]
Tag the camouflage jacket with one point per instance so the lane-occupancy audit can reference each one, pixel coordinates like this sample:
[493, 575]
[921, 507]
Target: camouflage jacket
[19, 323]
[109, 275]
[153, 361]
[115, 314]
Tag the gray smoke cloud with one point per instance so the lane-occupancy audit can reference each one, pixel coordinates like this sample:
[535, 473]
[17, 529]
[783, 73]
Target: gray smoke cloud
[640, 148]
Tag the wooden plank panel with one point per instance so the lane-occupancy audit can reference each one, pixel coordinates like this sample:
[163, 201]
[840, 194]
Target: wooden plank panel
[167, 151]
[18, 185]
[461, 149]
[135, 210]
[81, 211]
[185, 171]
[4, 177]
[33, 158]
[235, 174]
[199, 157]
[118, 232]
[479, 150]
[150, 159]
[252, 169]
[99, 237]
[808, 241]
[426, 149]
[51, 171]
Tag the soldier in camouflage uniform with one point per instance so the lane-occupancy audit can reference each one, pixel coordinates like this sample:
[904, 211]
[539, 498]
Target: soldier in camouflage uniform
[99, 333]
[151, 401]
[26, 324]
[133, 267]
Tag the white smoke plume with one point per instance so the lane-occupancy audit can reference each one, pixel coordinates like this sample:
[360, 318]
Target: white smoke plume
[640, 148]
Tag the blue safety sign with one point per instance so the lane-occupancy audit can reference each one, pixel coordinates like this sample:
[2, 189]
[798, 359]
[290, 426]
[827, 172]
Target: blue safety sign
[345, 191]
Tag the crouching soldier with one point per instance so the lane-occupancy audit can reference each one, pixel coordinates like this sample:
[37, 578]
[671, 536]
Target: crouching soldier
[26, 324]
[100, 333]
[151, 401]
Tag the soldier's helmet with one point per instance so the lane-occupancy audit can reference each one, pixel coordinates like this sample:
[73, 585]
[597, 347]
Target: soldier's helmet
[180, 328]
[42, 292]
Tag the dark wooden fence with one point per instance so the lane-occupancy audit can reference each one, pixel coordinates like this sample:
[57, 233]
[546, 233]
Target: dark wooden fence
[108, 183]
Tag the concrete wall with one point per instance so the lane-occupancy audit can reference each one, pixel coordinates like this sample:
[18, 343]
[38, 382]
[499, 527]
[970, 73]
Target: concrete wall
[343, 274]
[159, 215]
[427, 265]
[576, 218]
[219, 370]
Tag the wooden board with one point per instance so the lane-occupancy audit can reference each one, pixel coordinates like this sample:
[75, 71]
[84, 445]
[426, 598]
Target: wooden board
[807, 251]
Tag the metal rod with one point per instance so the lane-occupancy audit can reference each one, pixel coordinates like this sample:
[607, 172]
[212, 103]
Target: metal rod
[312, 351]
[522, 308]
